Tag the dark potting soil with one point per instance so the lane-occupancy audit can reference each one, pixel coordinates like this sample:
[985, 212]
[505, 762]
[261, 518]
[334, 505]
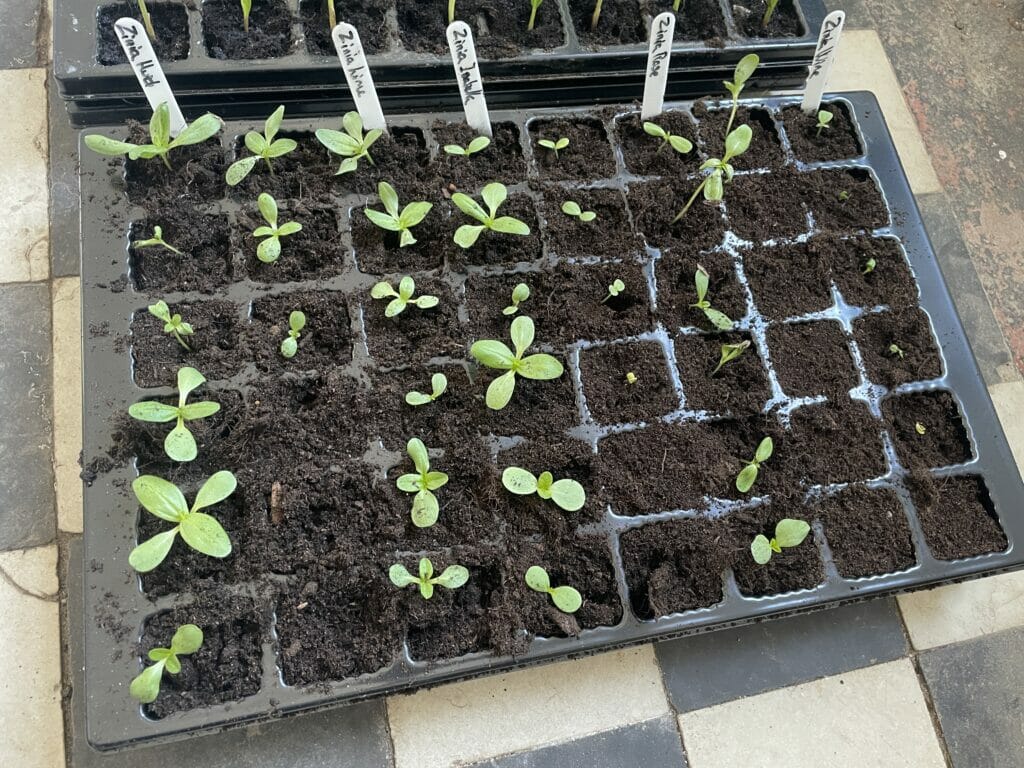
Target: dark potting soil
[812, 359]
[620, 22]
[739, 387]
[916, 359]
[890, 282]
[204, 264]
[927, 430]
[400, 157]
[324, 343]
[789, 280]
[818, 429]
[844, 200]
[170, 22]
[792, 569]
[291, 177]
[225, 37]
[587, 156]
[313, 252]
[379, 252]
[765, 149]
[749, 15]
[499, 27]
[415, 335]
[695, 19]
[367, 16]
[675, 276]
[957, 516]
[838, 141]
[611, 398]
[610, 235]
[752, 203]
[655, 203]
[647, 155]
[501, 159]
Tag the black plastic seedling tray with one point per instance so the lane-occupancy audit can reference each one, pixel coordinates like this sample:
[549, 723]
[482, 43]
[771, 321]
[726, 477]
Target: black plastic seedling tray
[117, 609]
[407, 77]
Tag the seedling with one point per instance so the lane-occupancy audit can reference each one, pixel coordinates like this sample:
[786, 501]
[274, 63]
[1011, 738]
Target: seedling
[596, 17]
[352, 144]
[631, 378]
[332, 16]
[173, 324]
[494, 194]
[843, 195]
[713, 185]
[614, 289]
[147, 20]
[179, 444]
[262, 145]
[788, 533]
[894, 349]
[479, 144]
[401, 298]
[566, 493]
[145, 687]
[744, 69]
[451, 11]
[519, 294]
[745, 479]
[199, 530]
[161, 143]
[869, 267]
[155, 240]
[566, 599]
[395, 221]
[729, 353]
[453, 577]
[678, 143]
[534, 5]
[824, 118]
[768, 12]
[269, 250]
[290, 345]
[919, 428]
[438, 384]
[423, 483]
[246, 9]
[572, 208]
[496, 355]
[718, 319]
[554, 146]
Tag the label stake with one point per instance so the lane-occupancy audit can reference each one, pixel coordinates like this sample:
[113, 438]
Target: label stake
[658, 54]
[824, 58]
[357, 73]
[146, 66]
[467, 72]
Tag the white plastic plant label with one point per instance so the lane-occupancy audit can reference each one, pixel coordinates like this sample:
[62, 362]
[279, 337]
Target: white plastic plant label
[139, 50]
[824, 58]
[663, 28]
[467, 72]
[357, 73]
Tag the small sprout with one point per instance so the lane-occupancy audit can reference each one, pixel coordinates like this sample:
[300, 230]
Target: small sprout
[494, 194]
[453, 577]
[246, 10]
[614, 289]
[843, 195]
[402, 298]
[824, 118]
[269, 250]
[566, 493]
[534, 5]
[736, 143]
[290, 345]
[744, 69]
[894, 349]
[729, 353]
[572, 208]
[478, 144]
[395, 221]
[596, 16]
[631, 378]
[146, 687]
[788, 533]
[172, 323]
[351, 143]
[423, 483]
[161, 143]
[262, 145]
[519, 294]
[745, 479]
[156, 239]
[495, 354]
[200, 531]
[678, 143]
[869, 267]
[147, 20]
[438, 384]
[566, 599]
[919, 428]
[179, 444]
[718, 319]
[768, 12]
[554, 146]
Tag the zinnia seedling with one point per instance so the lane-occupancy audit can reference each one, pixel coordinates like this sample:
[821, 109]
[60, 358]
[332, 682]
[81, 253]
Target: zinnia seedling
[179, 444]
[596, 15]
[146, 687]
[423, 483]
[614, 289]
[269, 250]
[494, 194]
[869, 267]
[744, 69]
[678, 143]
[572, 208]
[453, 577]
[555, 145]
[729, 353]
[438, 384]
[395, 220]
[769, 11]
[566, 493]
[161, 143]
[401, 298]
[451, 11]
[262, 145]
[824, 118]
[631, 378]
[496, 355]
[894, 349]
[519, 294]
[479, 144]
[332, 16]
[156, 240]
[718, 319]
[566, 599]
[534, 5]
[199, 530]
[713, 185]
[745, 479]
[920, 428]
[788, 533]
[173, 324]
[351, 144]
[290, 345]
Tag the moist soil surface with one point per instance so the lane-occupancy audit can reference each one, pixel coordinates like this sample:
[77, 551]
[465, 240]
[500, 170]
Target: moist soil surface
[317, 441]
[170, 22]
[269, 35]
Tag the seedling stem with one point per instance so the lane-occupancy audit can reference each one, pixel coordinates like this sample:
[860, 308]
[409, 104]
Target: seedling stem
[534, 5]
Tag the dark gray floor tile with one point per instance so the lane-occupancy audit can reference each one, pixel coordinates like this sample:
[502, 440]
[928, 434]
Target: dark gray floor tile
[976, 690]
[19, 32]
[27, 504]
[709, 669]
[652, 744]
[348, 737]
[64, 247]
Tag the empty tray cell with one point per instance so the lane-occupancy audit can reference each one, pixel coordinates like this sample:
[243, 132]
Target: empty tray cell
[204, 263]
[305, 173]
[739, 387]
[620, 22]
[695, 19]
[844, 200]
[501, 160]
[957, 516]
[871, 271]
[170, 22]
[812, 359]
[927, 430]
[367, 16]
[789, 280]
[269, 35]
[836, 142]
[550, 405]
[654, 205]
[817, 430]
[612, 397]
[495, 248]
[675, 274]
[499, 28]
[792, 569]
[609, 235]
[314, 252]
[379, 251]
[765, 150]
[755, 213]
[897, 347]
[587, 156]
[414, 335]
[196, 174]
[647, 155]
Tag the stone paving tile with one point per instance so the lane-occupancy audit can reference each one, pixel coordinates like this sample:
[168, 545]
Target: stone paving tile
[27, 515]
[347, 737]
[30, 686]
[67, 402]
[652, 743]
[24, 225]
[976, 692]
[857, 14]
[709, 669]
[20, 34]
[870, 718]
[64, 216]
[491, 716]
[1008, 399]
